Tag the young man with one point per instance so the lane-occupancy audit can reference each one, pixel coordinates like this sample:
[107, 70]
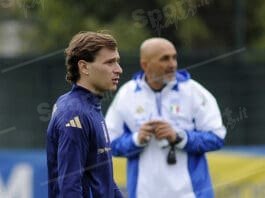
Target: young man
[78, 145]
[164, 123]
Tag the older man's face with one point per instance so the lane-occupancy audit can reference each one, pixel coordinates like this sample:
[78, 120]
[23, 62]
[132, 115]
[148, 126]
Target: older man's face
[161, 65]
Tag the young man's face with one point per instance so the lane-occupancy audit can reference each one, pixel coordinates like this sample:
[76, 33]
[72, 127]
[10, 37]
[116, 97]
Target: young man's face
[105, 70]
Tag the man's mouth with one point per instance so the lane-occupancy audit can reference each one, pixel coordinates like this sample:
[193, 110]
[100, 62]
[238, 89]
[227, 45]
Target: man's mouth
[170, 73]
[115, 80]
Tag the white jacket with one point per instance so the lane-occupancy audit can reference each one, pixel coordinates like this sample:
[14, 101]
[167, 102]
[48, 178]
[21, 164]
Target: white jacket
[192, 112]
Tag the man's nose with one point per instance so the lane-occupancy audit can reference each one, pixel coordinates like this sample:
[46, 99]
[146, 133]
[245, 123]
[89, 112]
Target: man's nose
[118, 69]
[173, 63]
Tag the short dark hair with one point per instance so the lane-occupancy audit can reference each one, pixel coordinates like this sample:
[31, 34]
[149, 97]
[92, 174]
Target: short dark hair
[85, 46]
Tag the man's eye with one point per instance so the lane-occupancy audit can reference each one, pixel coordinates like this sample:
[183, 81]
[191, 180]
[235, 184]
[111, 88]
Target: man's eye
[164, 58]
[110, 62]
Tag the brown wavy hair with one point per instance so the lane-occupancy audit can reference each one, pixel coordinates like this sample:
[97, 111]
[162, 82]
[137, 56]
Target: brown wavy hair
[85, 46]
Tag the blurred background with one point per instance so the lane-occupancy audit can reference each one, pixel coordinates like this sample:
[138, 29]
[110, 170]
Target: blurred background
[221, 43]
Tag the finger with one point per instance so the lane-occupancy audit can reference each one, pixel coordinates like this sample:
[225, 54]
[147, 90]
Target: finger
[161, 134]
[157, 122]
[146, 136]
[150, 122]
[147, 128]
[146, 133]
[161, 127]
[162, 130]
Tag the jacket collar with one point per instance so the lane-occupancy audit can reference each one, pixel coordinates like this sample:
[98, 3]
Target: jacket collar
[181, 76]
[87, 95]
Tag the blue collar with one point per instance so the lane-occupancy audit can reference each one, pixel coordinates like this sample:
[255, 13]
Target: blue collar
[182, 75]
[87, 95]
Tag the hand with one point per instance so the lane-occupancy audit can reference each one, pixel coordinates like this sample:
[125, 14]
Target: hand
[145, 132]
[163, 130]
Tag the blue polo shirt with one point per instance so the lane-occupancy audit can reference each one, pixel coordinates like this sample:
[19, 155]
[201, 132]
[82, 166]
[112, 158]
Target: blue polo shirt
[78, 148]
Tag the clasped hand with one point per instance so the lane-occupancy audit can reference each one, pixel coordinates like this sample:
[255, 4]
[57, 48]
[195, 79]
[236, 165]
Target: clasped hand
[158, 128]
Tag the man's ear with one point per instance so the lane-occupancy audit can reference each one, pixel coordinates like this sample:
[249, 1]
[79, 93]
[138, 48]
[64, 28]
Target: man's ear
[84, 67]
[143, 64]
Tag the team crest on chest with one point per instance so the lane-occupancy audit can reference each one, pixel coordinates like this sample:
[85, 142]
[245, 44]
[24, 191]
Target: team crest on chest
[139, 110]
[174, 109]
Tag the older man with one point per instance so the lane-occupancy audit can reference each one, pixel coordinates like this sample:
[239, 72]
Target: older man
[164, 122]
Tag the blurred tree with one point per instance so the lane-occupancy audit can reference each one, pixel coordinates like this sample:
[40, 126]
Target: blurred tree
[55, 22]
[256, 24]
[190, 24]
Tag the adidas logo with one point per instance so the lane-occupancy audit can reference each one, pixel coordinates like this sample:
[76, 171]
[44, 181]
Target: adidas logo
[74, 123]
